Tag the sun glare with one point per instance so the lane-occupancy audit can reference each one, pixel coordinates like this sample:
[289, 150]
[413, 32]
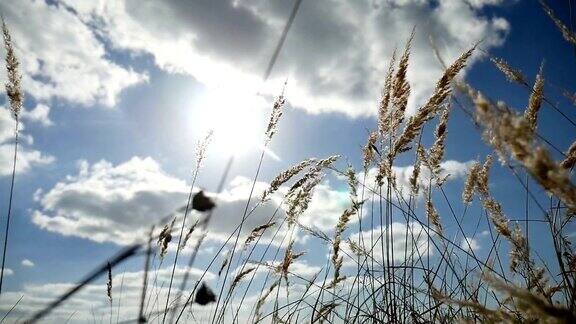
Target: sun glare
[235, 118]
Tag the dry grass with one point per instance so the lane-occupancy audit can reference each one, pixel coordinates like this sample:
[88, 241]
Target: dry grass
[421, 274]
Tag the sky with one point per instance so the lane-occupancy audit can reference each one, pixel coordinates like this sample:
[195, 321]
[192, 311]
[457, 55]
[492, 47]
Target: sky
[119, 93]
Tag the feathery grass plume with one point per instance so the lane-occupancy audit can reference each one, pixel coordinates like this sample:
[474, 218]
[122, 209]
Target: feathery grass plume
[470, 184]
[566, 32]
[274, 118]
[481, 312]
[369, 150]
[285, 176]
[533, 305]
[336, 258]
[353, 186]
[225, 262]
[385, 172]
[16, 100]
[416, 171]
[427, 112]
[316, 233]
[241, 276]
[299, 199]
[437, 150]
[109, 283]
[483, 177]
[400, 90]
[300, 194]
[262, 300]
[519, 253]
[497, 217]
[570, 159]
[511, 74]
[257, 232]
[356, 249]
[189, 234]
[535, 101]
[327, 162]
[510, 133]
[165, 237]
[324, 311]
[289, 258]
[202, 147]
[383, 109]
[433, 216]
[13, 85]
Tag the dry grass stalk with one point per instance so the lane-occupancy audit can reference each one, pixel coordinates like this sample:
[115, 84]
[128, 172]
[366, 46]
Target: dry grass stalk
[285, 176]
[257, 232]
[509, 133]
[519, 255]
[109, 283]
[274, 118]
[357, 249]
[566, 32]
[470, 184]
[369, 150]
[201, 149]
[416, 171]
[511, 74]
[189, 234]
[262, 300]
[400, 89]
[482, 179]
[383, 109]
[427, 112]
[289, 258]
[336, 258]
[437, 150]
[13, 85]
[324, 311]
[433, 216]
[535, 101]
[570, 159]
[497, 217]
[353, 186]
[316, 233]
[300, 194]
[533, 305]
[240, 276]
[224, 263]
[385, 172]
[165, 237]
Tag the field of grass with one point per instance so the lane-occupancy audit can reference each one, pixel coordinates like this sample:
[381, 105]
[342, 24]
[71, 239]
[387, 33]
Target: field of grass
[437, 278]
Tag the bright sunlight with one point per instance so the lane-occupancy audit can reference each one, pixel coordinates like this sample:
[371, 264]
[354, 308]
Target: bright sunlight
[236, 118]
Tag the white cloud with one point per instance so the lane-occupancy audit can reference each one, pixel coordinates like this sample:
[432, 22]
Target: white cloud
[335, 55]
[40, 114]
[108, 203]
[92, 299]
[61, 57]
[483, 3]
[27, 263]
[27, 157]
[470, 244]
[8, 272]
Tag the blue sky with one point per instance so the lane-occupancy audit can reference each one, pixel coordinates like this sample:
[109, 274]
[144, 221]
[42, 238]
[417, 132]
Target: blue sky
[129, 84]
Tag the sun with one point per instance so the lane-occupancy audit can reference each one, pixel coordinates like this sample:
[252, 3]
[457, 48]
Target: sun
[235, 117]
